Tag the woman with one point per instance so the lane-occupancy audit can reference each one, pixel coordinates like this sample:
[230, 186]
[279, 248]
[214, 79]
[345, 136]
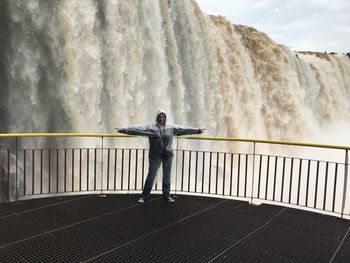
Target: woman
[160, 137]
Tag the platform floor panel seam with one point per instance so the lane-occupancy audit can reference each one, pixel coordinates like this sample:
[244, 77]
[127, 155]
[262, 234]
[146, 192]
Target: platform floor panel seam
[296, 245]
[248, 235]
[249, 253]
[155, 231]
[340, 245]
[43, 207]
[70, 225]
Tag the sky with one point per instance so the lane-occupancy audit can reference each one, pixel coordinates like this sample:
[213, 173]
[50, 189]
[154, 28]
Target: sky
[301, 25]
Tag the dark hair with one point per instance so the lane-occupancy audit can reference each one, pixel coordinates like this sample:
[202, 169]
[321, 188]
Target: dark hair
[162, 113]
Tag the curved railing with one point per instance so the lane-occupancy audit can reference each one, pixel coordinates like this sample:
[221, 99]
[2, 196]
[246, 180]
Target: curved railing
[288, 173]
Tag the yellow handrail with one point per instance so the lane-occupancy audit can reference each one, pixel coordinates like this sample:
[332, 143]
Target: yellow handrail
[11, 135]
[329, 146]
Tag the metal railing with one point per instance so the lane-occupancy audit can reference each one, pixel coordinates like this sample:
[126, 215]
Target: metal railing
[320, 185]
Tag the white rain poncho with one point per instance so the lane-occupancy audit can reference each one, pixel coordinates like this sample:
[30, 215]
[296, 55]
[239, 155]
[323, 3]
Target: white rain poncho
[160, 139]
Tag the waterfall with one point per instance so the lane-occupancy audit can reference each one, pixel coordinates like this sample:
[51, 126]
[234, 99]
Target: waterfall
[90, 66]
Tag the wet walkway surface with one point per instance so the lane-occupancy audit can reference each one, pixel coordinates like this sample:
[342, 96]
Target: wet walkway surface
[116, 228]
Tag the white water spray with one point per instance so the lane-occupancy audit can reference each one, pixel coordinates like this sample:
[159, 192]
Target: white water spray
[90, 66]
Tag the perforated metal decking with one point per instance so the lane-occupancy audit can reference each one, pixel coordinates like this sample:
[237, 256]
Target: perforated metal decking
[194, 229]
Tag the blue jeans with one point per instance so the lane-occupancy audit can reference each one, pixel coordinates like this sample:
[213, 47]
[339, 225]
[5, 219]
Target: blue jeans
[152, 172]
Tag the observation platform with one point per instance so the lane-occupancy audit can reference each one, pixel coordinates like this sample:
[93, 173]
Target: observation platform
[115, 228]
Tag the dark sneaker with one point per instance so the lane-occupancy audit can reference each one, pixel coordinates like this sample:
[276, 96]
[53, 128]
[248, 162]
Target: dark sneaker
[170, 200]
[141, 200]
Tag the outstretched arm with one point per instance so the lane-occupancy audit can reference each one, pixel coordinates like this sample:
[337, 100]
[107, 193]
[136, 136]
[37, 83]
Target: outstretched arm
[144, 130]
[181, 130]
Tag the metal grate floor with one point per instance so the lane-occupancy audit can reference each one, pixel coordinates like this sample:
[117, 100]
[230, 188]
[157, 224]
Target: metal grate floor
[116, 228]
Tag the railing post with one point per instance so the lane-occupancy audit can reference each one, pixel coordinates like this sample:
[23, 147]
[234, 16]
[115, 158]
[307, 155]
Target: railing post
[251, 194]
[345, 182]
[16, 172]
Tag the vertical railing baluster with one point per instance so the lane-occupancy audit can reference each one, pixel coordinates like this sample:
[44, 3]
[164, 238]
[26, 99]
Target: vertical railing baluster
[238, 172]
[49, 168]
[291, 180]
[267, 176]
[182, 170]
[335, 185]
[33, 172]
[115, 167]
[80, 168]
[316, 185]
[16, 182]
[41, 171]
[73, 170]
[307, 183]
[299, 181]
[136, 164]
[224, 176]
[283, 175]
[189, 172]
[231, 174]
[196, 173]
[95, 169]
[143, 167]
[203, 173]
[122, 171]
[274, 179]
[217, 173]
[73, 175]
[1, 176]
[129, 169]
[65, 170]
[345, 182]
[253, 176]
[210, 160]
[325, 187]
[57, 171]
[246, 175]
[259, 179]
[87, 169]
[24, 172]
[108, 160]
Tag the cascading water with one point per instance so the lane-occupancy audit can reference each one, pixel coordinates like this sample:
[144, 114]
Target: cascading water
[72, 66]
[90, 66]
